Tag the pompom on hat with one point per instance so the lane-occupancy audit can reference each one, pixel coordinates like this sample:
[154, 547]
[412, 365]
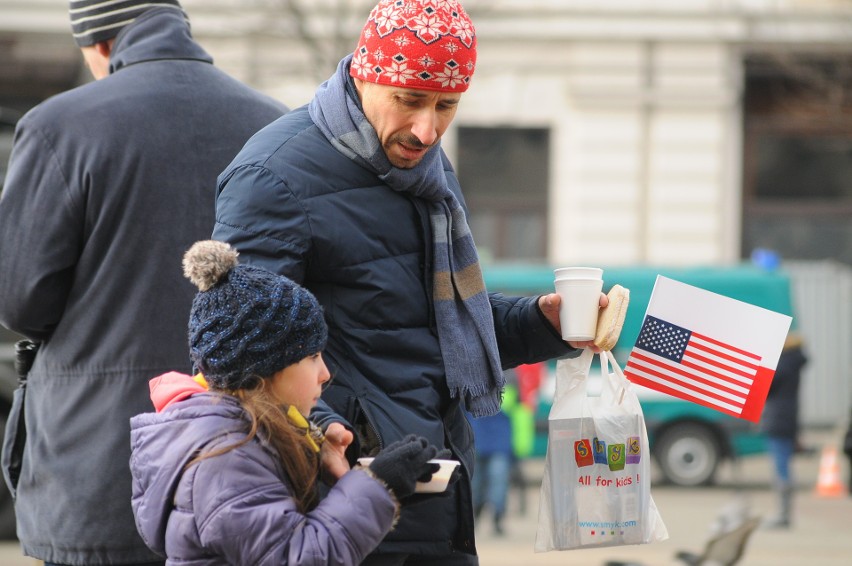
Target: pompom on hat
[422, 44]
[246, 322]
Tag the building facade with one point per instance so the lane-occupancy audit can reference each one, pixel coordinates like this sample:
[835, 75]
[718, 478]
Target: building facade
[607, 132]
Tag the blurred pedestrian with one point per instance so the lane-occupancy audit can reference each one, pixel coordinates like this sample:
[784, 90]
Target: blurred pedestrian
[493, 440]
[520, 403]
[847, 450]
[780, 424]
[108, 185]
[230, 474]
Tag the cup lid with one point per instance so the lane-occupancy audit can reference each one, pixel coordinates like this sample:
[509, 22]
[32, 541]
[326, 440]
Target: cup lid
[575, 272]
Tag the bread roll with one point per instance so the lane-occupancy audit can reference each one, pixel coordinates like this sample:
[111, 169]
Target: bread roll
[611, 318]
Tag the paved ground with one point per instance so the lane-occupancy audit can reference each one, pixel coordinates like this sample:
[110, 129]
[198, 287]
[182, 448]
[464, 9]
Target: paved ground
[820, 536]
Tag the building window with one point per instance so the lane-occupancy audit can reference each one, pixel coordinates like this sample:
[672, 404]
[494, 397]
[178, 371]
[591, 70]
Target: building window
[504, 177]
[797, 189]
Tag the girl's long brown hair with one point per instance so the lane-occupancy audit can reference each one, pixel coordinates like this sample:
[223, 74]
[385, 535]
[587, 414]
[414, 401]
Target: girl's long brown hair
[269, 419]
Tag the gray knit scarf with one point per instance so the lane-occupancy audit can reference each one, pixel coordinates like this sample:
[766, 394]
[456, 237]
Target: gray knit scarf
[462, 308]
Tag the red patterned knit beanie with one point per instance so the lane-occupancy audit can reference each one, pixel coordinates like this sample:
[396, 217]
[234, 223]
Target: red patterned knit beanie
[422, 44]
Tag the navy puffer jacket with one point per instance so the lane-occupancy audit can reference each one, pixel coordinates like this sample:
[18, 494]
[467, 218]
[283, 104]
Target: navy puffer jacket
[293, 204]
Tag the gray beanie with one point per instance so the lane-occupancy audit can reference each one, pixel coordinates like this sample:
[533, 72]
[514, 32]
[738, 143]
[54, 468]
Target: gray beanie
[246, 321]
[93, 21]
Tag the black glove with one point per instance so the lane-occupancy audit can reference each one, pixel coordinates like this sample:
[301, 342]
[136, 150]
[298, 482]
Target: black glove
[443, 454]
[401, 464]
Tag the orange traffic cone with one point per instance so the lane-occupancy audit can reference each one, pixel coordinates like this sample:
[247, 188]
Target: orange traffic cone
[828, 481]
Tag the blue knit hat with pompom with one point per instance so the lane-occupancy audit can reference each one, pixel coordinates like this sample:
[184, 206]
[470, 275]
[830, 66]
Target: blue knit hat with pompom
[246, 321]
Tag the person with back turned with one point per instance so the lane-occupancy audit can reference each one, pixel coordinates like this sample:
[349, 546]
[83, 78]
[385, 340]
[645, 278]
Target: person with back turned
[108, 184]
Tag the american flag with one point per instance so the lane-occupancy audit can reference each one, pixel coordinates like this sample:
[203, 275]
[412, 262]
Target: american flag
[692, 366]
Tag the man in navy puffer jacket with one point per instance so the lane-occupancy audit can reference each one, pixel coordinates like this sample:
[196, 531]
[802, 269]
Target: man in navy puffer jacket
[353, 197]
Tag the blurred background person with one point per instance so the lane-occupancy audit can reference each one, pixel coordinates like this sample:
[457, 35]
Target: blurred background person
[502, 443]
[780, 424]
[494, 457]
[847, 449]
[521, 404]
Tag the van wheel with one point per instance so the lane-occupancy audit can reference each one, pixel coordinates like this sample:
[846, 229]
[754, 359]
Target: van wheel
[688, 454]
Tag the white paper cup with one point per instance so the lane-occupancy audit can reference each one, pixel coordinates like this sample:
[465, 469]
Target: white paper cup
[439, 481]
[578, 313]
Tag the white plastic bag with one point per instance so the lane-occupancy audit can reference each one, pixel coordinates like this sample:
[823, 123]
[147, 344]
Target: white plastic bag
[596, 489]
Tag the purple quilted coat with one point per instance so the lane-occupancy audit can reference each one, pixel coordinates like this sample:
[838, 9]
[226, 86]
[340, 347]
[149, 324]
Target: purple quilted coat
[236, 508]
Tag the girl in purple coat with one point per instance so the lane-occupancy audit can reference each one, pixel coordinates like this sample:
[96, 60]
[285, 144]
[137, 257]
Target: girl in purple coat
[226, 471]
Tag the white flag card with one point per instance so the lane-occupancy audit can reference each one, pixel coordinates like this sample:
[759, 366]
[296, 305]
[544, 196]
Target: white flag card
[707, 348]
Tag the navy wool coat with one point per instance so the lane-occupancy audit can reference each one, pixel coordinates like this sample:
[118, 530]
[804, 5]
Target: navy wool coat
[108, 185]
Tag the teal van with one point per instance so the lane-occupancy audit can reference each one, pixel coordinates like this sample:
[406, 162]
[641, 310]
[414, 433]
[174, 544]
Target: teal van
[688, 441]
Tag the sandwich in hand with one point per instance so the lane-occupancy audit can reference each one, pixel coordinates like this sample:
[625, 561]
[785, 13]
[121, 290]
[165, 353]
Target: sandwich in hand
[611, 318]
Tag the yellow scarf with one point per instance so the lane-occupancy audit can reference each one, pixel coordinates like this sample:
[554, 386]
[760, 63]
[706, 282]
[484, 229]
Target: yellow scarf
[312, 431]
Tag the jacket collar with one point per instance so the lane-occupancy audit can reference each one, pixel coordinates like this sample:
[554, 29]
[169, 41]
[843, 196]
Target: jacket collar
[161, 33]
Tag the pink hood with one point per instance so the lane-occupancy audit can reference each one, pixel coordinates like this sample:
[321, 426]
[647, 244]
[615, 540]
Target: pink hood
[173, 386]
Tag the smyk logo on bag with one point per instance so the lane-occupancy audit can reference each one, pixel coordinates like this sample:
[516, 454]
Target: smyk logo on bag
[614, 456]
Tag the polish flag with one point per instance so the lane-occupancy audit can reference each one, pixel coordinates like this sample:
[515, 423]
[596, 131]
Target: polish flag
[708, 349]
